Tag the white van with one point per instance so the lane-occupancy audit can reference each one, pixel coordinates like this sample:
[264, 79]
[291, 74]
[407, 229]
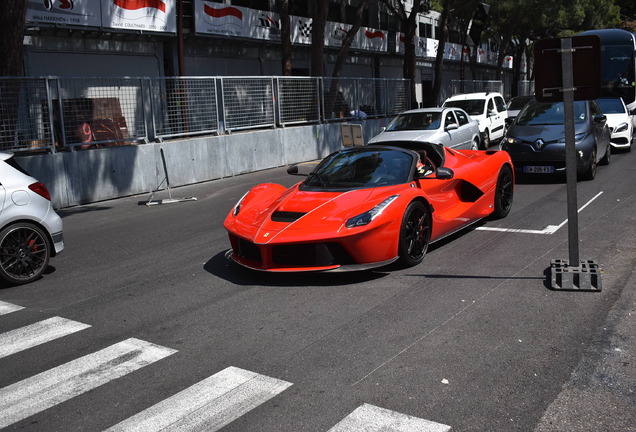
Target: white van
[488, 108]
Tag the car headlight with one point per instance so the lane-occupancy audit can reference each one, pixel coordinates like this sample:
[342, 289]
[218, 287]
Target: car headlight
[503, 145]
[577, 137]
[366, 217]
[237, 206]
[620, 128]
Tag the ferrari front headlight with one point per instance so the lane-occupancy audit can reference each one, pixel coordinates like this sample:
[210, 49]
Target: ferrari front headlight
[237, 206]
[366, 217]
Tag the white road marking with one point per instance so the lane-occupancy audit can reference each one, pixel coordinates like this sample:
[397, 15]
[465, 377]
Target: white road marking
[6, 308]
[207, 405]
[370, 418]
[39, 392]
[550, 229]
[44, 331]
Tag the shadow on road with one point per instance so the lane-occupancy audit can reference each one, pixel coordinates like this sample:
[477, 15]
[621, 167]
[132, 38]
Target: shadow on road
[226, 269]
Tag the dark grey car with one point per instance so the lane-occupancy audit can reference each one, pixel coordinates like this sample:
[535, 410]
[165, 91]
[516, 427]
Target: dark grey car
[536, 139]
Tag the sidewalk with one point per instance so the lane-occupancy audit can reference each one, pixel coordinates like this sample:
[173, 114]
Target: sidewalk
[601, 394]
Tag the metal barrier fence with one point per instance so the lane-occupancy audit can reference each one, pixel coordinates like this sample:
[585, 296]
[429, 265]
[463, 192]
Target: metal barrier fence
[475, 86]
[60, 114]
[184, 106]
[525, 88]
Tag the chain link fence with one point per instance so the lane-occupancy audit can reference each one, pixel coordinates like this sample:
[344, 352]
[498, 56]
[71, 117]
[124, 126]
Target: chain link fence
[61, 114]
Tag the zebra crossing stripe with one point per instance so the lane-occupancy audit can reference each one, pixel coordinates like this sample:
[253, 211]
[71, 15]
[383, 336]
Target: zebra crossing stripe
[207, 405]
[370, 418]
[6, 308]
[44, 331]
[39, 392]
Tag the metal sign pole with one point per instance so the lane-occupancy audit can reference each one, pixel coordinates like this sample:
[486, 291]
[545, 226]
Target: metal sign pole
[570, 150]
[579, 78]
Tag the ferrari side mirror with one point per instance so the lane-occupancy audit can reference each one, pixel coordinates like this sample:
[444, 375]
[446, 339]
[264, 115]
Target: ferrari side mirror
[443, 173]
[292, 169]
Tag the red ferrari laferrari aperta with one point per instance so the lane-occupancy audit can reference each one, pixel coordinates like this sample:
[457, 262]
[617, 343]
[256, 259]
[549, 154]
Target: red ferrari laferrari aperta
[366, 207]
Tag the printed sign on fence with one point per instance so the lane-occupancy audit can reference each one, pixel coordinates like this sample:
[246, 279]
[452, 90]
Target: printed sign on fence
[144, 15]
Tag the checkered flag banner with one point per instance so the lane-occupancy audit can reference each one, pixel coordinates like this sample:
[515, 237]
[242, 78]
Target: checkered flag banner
[304, 28]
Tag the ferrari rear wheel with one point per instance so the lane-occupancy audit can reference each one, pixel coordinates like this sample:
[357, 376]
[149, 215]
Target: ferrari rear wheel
[415, 234]
[503, 193]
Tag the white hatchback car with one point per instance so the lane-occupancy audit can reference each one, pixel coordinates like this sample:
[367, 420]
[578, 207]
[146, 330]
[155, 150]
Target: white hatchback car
[488, 108]
[619, 122]
[30, 229]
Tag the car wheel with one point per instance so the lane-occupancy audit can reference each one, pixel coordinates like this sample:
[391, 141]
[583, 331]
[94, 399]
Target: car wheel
[607, 156]
[485, 143]
[25, 251]
[504, 193]
[475, 144]
[415, 234]
[590, 171]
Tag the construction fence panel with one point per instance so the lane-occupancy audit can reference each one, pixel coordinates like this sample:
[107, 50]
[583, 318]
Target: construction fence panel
[298, 100]
[184, 106]
[339, 98]
[25, 121]
[248, 102]
[62, 114]
[398, 96]
[372, 97]
[100, 112]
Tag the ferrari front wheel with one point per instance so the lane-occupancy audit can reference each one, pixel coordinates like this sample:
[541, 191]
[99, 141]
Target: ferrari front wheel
[415, 234]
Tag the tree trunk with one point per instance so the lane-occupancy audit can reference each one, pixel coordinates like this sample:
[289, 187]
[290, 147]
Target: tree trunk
[439, 60]
[409, 56]
[285, 37]
[12, 23]
[318, 37]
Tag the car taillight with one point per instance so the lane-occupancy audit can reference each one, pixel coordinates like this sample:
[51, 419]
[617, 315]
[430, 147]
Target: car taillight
[41, 190]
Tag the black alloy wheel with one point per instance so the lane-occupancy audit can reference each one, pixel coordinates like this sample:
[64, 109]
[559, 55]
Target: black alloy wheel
[503, 193]
[590, 171]
[485, 144]
[25, 251]
[607, 156]
[415, 234]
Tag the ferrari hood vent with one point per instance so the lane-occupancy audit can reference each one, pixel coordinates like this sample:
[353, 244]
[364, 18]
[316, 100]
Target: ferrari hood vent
[286, 216]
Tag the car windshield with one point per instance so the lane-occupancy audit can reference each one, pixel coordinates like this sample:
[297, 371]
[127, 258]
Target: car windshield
[471, 106]
[550, 113]
[519, 102]
[361, 168]
[416, 121]
[611, 106]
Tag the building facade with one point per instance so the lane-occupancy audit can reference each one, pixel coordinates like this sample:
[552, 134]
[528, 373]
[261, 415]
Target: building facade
[160, 38]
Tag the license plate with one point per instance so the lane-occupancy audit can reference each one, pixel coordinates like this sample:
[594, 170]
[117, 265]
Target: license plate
[535, 169]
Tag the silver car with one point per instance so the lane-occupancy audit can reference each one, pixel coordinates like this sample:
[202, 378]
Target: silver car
[451, 127]
[30, 229]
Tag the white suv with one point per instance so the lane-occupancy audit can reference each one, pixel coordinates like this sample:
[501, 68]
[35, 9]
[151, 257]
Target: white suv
[488, 108]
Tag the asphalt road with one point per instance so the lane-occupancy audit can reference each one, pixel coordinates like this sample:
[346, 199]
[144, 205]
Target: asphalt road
[472, 339]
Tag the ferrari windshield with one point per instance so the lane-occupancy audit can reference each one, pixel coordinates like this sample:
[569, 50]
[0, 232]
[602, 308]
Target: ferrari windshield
[360, 168]
[416, 121]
